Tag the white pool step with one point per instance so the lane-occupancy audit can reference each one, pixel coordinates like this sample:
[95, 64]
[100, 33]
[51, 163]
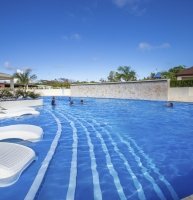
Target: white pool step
[17, 112]
[14, 159]
[21, 131]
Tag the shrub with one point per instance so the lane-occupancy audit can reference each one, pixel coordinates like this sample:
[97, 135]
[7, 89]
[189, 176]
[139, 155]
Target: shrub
[6, 93]
[33, 95]
[20, 93]
[181, 83]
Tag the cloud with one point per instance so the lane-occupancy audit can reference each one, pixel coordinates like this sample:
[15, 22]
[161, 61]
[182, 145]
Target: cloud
[135, 7]
[74, 36]
[146, 46]
[7, 65]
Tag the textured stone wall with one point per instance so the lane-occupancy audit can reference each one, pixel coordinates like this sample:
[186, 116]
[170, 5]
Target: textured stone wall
[54, 92]
[146, 90]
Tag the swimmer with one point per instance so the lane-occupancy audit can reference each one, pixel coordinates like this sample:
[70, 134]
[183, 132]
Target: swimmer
[53, 101]
[169, 104]
[71, 102]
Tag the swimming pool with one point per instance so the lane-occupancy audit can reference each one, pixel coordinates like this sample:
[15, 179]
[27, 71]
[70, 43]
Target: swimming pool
[108, 149]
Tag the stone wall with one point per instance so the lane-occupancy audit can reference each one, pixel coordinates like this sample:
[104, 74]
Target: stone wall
[54, 92]
[146, 90]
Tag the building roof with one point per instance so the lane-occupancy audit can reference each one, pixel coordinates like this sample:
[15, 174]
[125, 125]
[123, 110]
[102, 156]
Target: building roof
[4, 76]
[186, 72]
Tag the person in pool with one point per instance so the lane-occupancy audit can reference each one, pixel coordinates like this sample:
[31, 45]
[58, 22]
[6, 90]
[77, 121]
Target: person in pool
[169, 104]
[71, 103]
[53, 102]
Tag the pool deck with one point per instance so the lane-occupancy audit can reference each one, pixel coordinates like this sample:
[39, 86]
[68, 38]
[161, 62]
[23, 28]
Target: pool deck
[188, 198]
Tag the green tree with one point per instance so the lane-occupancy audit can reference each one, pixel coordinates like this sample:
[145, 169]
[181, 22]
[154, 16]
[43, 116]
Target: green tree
[171, 73]
[126, 74]
[25, 78]
[102, 80]
[150, 77]
[177, 69]
[112, 76]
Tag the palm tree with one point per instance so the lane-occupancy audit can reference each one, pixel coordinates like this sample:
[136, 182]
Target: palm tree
[125, 73]
[25, 78]
[112, 76]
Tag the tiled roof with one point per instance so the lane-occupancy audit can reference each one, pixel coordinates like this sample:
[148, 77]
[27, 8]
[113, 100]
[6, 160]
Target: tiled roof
[4, 76]
[186, 72]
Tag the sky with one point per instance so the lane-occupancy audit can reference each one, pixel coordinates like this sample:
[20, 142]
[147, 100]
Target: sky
[86, 39]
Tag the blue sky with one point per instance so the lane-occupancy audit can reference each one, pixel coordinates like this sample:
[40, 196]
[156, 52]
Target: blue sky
[86, 39]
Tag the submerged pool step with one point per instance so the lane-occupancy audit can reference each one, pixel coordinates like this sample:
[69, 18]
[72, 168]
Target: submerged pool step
[92, 142]
[45, 164]
[149, 170]
[56, 179]
[86, 165]
[158, 190]
[80, 153]
[110, 170]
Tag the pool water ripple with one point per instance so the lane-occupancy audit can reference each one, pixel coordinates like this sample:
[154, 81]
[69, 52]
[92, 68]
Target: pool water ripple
[41, 173]
[110, 149]
[149, 177]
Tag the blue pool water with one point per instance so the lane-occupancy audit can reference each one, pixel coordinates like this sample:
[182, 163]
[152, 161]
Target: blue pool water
[108, 149]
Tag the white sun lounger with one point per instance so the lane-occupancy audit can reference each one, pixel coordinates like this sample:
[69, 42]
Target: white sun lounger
[14, 159]
[21, 131]
[17, 112]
